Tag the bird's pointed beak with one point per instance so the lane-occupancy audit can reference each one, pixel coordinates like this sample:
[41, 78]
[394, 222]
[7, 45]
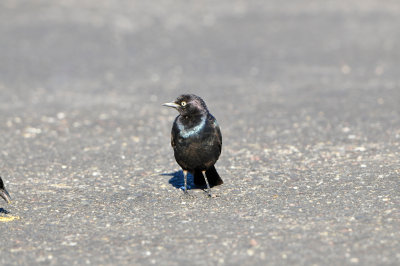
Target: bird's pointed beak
[173, 105]
[4, 194]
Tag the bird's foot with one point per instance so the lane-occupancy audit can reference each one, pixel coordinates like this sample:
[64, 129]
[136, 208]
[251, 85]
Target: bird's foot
[187, 195]
[210, 195]
[186, 192]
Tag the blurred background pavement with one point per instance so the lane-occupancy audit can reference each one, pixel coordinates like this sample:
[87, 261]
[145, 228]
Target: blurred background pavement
[307, 95]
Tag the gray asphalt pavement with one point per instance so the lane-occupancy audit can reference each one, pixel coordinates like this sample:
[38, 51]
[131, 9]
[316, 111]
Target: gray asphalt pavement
[306, 93]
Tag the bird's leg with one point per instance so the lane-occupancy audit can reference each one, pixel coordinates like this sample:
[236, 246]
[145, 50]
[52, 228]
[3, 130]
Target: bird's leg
[208, 185]
[185, 179]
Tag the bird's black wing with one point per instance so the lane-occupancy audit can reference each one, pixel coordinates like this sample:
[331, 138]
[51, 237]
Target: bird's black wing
[174, 133]
[218, 134]
[172, 141]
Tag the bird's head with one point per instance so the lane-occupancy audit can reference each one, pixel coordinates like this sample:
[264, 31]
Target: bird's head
[189, 105]
[3, 192]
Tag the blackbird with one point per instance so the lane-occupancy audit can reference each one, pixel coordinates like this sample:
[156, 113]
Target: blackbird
[196, 140]
[3, 192]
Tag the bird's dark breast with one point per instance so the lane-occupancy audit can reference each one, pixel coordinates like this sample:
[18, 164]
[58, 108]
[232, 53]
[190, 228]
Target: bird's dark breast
[197, 150]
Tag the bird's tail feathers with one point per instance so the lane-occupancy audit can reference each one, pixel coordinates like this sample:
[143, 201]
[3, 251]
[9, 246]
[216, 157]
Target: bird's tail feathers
[212, 176]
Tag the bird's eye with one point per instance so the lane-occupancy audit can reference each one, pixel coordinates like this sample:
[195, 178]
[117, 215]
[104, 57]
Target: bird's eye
[183, 103]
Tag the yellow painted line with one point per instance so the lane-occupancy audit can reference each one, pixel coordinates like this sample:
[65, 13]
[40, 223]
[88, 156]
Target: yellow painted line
[9, 218]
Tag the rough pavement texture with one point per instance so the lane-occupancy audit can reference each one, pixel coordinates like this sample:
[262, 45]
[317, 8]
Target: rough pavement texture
[307, 95]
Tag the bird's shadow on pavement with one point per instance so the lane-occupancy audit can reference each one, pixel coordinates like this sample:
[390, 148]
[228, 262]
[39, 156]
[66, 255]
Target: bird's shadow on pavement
[3, 211]
[178, 182]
